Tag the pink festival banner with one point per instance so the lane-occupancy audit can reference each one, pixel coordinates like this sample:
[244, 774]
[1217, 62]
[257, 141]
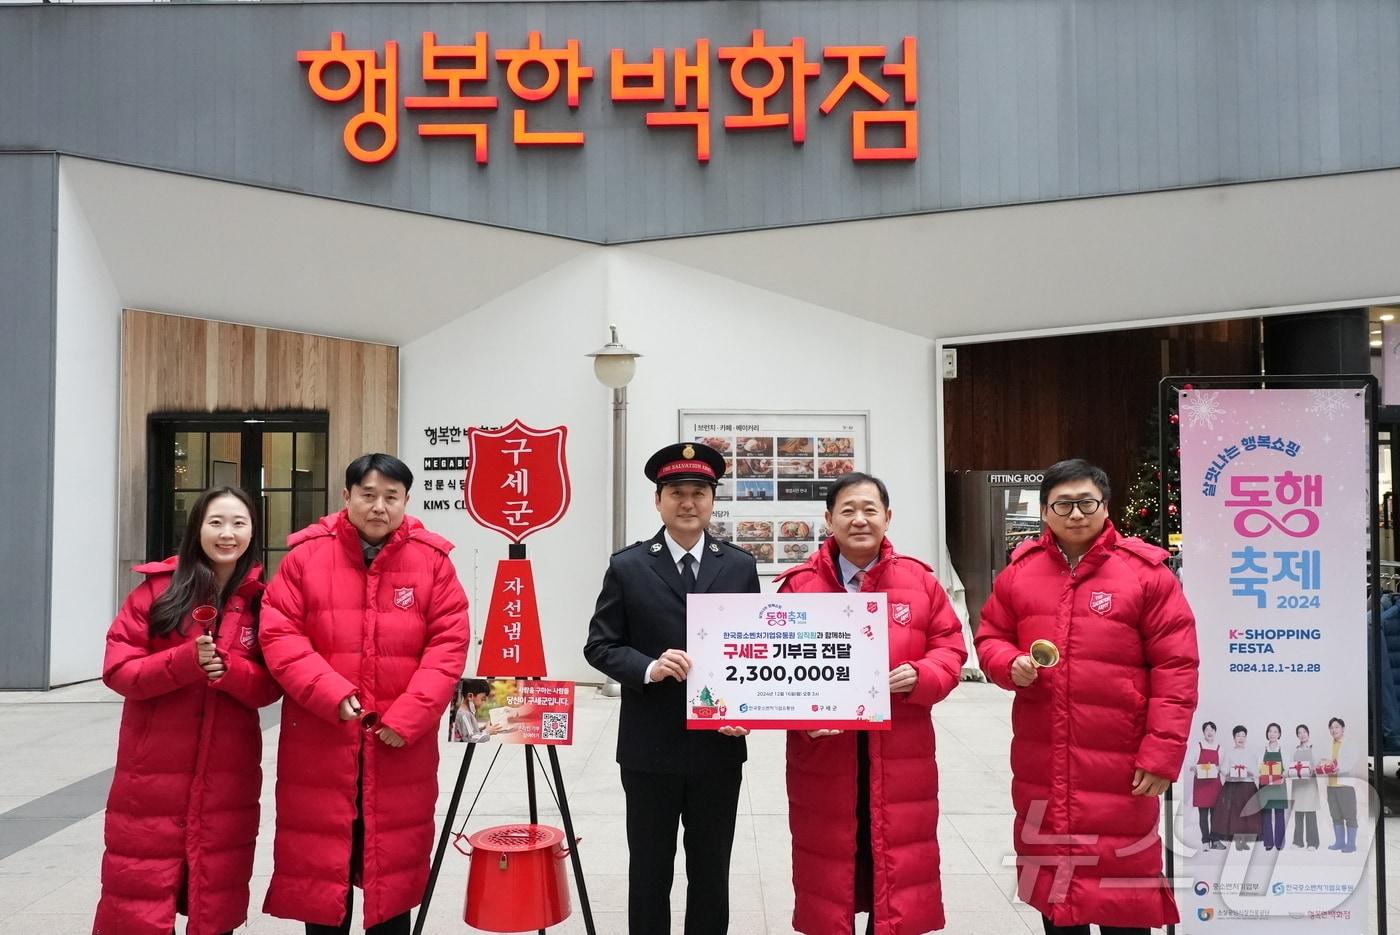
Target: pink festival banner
[1276, 813]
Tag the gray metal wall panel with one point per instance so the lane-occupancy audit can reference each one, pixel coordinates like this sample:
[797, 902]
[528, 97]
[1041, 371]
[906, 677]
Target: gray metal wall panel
[1021, 100]
[28, 201]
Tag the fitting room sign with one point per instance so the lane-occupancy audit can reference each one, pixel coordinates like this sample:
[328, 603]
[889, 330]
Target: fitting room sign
[773, 86]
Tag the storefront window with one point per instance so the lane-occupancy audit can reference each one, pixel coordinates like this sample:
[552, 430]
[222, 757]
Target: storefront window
[279, 459]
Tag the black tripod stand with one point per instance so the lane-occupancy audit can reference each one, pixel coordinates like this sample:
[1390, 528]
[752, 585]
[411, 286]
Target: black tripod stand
[517, 551]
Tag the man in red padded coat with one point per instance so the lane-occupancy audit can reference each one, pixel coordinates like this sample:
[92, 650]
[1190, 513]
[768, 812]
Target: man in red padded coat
[365, 617]
[1097, 737]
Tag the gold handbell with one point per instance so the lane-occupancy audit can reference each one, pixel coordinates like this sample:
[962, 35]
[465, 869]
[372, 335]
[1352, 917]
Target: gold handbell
[1045, 654]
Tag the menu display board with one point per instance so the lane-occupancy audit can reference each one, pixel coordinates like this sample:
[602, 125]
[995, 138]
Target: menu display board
[779, 467]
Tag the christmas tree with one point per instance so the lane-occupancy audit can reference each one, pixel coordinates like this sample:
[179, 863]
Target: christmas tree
[1142, 506]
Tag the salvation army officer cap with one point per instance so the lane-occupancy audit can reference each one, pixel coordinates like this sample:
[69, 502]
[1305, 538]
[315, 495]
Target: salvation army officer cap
[685, 461]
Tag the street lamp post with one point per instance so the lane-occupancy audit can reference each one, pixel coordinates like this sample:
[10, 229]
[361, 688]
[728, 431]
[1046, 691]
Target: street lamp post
[614, 365]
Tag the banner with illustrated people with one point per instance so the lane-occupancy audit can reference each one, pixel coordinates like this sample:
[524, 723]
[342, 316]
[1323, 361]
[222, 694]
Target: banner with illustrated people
[1276, 811]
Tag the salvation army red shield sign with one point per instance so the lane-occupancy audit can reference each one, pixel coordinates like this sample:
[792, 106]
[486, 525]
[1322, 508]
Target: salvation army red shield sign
[517, 479]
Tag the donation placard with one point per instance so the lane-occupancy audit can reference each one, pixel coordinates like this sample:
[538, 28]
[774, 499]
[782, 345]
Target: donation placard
[788, 661]
[1278, 813]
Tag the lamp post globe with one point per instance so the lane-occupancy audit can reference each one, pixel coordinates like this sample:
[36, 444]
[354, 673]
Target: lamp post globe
[614, 364]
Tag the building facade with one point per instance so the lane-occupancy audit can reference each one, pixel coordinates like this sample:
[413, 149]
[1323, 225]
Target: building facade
[326, 227]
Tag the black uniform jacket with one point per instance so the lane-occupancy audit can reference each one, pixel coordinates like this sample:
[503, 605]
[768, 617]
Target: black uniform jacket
[640, 615]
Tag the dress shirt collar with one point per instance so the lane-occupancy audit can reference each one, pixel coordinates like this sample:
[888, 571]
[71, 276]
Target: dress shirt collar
[371, 550]
[849, 568]
[677, 551]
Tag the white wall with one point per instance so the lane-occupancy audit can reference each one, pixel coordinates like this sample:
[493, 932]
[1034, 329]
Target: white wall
[87, 377]
[712, 343]
[707, 343]
[314, 264]
[521, 356]
[1082, 263]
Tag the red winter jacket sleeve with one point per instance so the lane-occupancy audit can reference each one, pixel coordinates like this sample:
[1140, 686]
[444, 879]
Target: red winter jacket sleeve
[303, 673]
[997, 635]
[1169, 644]
[249, 683]
[131, 669]
[940, 669]
[416, 712]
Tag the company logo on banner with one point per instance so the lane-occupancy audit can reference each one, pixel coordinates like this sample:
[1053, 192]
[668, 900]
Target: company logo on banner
[1276, 501]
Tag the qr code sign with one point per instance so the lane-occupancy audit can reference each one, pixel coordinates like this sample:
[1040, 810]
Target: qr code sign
[555, 726]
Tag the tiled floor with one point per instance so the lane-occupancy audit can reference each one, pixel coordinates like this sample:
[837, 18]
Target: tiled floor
[64, 740]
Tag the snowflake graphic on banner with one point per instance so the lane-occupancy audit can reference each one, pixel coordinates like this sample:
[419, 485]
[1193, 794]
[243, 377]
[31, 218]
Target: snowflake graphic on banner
[1202, 409]
[1329, 403]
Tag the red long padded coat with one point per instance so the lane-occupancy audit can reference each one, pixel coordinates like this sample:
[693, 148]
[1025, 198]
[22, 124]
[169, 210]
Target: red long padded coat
[1122, 697]
[821, 772]
[395, 635]
[182, 814]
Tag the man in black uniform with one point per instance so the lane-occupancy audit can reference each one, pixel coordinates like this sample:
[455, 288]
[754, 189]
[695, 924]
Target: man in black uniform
[637, 636]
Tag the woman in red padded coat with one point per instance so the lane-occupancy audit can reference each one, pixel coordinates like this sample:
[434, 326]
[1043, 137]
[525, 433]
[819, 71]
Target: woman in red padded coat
[855, 795]
[182, 814]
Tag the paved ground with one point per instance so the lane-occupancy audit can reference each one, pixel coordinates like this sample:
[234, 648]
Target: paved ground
[59, 747]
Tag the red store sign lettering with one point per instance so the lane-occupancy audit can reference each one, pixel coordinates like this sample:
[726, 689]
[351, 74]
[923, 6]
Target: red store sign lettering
[678, 81]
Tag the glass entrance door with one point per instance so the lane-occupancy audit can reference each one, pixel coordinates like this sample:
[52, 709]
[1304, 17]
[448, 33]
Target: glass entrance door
[280, 460]
[293, 484]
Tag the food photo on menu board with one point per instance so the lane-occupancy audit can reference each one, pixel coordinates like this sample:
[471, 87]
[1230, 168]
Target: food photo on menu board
[794, 529]
[756, 490]
[754, 446]
[761, 551]
[750, 530]
[778, 469]
[754, 467]
[796, 467]
[794, 552]
[835, 467]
